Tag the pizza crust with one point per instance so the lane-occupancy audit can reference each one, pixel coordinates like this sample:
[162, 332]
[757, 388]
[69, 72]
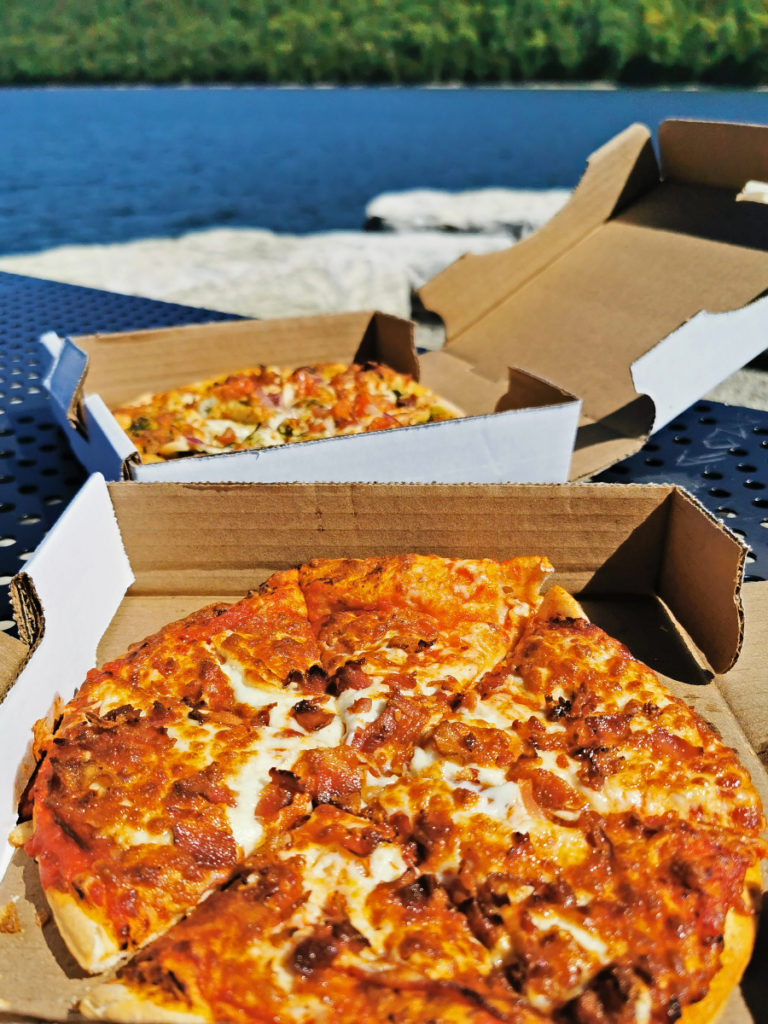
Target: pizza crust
[116, 1002]
[113, 1001]
[89, 942]
[739, 938]
[558, 604]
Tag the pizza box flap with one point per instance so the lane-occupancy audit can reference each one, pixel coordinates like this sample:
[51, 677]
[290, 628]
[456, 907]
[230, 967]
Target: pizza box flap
[640, 295]
[744, 686]
[119, 367]
[123, 366]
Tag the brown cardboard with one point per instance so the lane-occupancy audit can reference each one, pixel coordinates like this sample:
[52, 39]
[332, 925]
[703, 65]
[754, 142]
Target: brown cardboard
[620, 547]
[711, 153]
[745, 687]
[13, 653]
[638, 252]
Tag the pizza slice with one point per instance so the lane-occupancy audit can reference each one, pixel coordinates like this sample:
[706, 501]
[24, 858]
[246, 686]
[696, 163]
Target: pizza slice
[401, 638]
[331, 922]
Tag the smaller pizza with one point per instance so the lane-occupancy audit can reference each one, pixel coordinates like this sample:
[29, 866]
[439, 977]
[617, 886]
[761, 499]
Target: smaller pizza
[266, 406]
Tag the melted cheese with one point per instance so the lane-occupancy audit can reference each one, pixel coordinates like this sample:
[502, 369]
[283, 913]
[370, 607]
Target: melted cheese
[354, 721]
[272, 749]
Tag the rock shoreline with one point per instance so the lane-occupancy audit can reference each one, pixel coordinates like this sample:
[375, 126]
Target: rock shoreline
[262, 274]
[491, 211]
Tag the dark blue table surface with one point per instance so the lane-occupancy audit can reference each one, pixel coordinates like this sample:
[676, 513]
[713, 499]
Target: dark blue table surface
[718, 452]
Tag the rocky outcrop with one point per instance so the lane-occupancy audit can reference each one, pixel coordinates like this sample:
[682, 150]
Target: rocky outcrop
[493, 211]
[261, 274]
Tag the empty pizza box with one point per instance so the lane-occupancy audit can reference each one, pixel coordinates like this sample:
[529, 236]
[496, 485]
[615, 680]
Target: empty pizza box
[648, 563]
[565, 351]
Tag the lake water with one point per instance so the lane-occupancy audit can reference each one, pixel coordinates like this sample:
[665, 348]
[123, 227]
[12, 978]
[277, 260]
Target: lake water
[108, 164]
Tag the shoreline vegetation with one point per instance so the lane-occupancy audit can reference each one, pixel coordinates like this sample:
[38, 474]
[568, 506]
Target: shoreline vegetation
[385, 42]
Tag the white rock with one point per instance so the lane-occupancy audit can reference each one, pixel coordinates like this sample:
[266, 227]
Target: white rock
[515, 212]
[262, 274]
[747, 387]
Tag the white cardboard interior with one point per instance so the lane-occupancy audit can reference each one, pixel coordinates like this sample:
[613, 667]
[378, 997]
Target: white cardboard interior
[694, 359]
[81, 571]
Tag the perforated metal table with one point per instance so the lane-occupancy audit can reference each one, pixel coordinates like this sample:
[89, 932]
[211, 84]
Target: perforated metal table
[718, 452]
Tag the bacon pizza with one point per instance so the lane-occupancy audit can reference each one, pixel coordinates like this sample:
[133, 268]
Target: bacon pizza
[404, 788]
[268, 405]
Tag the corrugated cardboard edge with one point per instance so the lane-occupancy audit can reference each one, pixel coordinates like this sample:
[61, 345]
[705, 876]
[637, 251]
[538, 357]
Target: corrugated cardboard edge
[704, 594]
[13, 654]
[27, 610]
[749, 703]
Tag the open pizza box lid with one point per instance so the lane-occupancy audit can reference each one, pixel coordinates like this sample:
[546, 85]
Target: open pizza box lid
[519, 428]
[649, 563]
[639, 296]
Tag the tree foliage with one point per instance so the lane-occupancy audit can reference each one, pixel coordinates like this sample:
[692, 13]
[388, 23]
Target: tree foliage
[383, 41]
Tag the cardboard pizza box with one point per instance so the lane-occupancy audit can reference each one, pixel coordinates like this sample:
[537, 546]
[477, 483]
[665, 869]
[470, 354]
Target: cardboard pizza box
[644, 292]
[639, 296]
[648, 562]
[517, 429]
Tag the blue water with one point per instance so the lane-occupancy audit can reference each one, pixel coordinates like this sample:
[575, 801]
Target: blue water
[102, 165]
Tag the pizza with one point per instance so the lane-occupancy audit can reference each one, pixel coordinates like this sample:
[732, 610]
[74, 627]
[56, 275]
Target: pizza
[268, 405]
[405, 788]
